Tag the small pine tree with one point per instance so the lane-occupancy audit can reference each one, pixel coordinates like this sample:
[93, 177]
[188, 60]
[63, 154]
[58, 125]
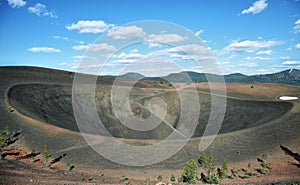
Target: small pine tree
[82, 178]
[159, 178]
[170, 85]
[32, 155]
[4, 137]
[161, 81]
[3, 142]
[224, 170]
[69, 166]
[202, 159]
[147, 182]
[248, 171]
[172, 179]
[190, 172]
[234, 173]
[210, 167]
[265, 167]
[46, 155]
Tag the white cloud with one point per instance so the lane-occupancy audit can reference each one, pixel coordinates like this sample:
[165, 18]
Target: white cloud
[90, 26]
[193, 49]
[154, 40]
[231, 57]
[96, 47]
[265, 52]
[265, 71]
[165, 38]
[185, 52]
[134, 54]
[250, 46]
[127, 32]
[87, 67]
[125, 61]
[199, 32]
[285, 57]
[44, 49]
[79, 57]
[16, 3]
[81, 47]
[64, 64]
[297, 26]
[41, 10]
[59, 37]
[256, 58]
[151, 67]
[297, 46]
[222, 63]
[256, 7]
[251, 64]
[291, 62]
[154, 45]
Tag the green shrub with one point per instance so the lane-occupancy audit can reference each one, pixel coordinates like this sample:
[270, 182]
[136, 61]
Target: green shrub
[159, 178]
[234, 173]
[190, 172]
[69, 166]
[147, 182]
[224, 170]
[46, 155]
[248, 171]
[180, 179]
[202, 159]
[32, 155]
[7, 137]
[82, 178]
[124, 180]
[3, 142]
[170, 85]
[265, 167]
[172, 179]
[244, 176]
[211, 176]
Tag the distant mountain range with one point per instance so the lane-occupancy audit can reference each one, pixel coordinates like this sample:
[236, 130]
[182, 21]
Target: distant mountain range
[291, 77]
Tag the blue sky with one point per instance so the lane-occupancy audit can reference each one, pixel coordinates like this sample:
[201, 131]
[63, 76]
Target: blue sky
[246, 36]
